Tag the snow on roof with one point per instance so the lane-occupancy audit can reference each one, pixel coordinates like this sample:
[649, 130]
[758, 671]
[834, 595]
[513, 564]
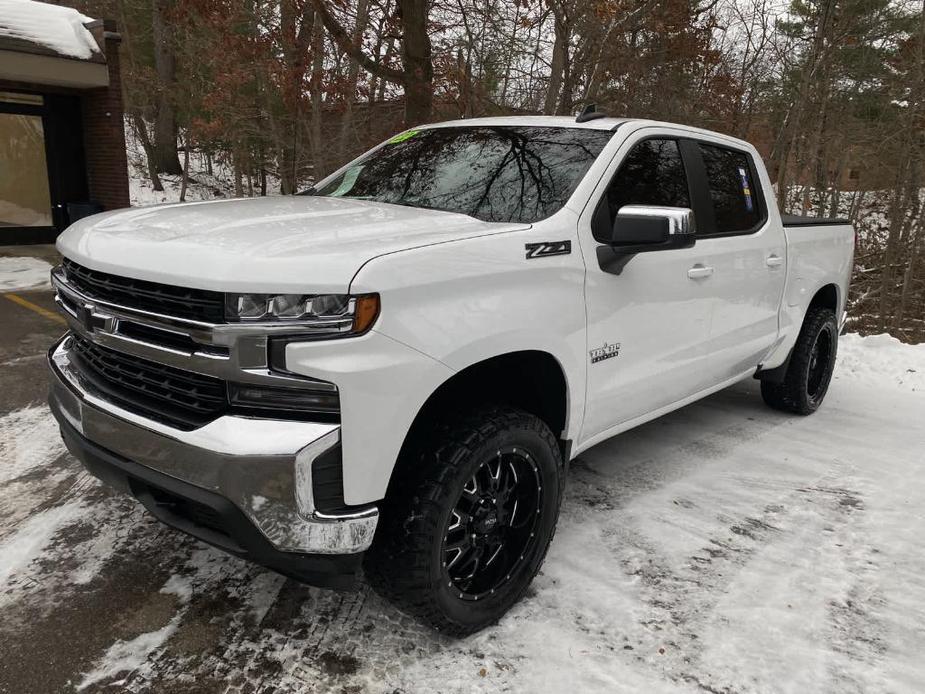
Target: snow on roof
[57, 29]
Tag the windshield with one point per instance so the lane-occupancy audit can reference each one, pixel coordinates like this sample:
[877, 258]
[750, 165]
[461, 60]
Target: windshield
[493, 173]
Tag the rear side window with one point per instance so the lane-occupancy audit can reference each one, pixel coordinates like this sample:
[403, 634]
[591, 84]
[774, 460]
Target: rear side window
[651, 174]
[732, 190]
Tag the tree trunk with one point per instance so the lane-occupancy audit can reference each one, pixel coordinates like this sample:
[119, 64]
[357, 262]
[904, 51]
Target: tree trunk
[318, 148]
[165, 117]
[350, 88]
[918, 250]
[559, 58]
[380, 91]
[796, 121]
[238, 175]
[141, 132]
[417, 64]
[185, 180]
[297, 29]
[887, 278]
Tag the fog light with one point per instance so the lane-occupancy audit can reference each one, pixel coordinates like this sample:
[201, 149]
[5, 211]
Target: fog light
[316, 396]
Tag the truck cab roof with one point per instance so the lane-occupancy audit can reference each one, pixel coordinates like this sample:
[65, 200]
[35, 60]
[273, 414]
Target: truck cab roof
[605, 123]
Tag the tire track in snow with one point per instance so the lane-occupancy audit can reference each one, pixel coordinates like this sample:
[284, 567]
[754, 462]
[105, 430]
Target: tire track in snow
[680, 595]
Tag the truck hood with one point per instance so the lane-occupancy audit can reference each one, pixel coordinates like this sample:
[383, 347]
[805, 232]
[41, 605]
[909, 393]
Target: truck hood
[300, 244]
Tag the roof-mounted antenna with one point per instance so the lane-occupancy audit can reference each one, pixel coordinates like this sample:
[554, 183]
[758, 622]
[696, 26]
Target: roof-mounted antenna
[589, 112]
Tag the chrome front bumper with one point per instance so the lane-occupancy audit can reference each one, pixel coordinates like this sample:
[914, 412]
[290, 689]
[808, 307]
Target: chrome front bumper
[262, 466]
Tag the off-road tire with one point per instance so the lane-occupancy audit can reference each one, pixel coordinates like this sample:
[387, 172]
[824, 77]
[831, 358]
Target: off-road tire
[799, 392]
[406, 563]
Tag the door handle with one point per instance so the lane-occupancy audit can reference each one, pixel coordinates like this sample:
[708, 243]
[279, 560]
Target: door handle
[774, 261]
[699, 272]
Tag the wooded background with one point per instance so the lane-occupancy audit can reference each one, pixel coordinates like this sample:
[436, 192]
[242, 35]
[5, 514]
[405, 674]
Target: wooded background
[284, 91]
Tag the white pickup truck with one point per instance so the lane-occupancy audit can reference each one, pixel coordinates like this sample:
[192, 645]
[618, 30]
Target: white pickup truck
[393, 369]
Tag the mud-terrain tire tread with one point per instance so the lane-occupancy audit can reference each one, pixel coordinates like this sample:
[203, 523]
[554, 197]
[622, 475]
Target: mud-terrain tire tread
[790, 395]
[397, 566]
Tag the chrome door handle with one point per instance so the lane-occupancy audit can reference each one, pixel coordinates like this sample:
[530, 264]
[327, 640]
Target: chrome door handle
[774, 261]
[699, 272]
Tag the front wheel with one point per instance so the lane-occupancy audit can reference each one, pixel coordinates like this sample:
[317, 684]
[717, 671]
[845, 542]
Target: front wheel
[469, 522]
[811, 365]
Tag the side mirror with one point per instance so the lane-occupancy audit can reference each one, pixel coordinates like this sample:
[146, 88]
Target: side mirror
[641, 228]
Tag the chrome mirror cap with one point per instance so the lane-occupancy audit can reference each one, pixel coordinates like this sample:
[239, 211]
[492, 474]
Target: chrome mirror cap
[680, 219]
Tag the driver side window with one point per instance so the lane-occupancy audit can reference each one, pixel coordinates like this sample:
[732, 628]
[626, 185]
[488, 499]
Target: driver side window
[651, 174]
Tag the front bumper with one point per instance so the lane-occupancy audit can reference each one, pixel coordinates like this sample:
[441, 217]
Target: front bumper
[257, 468]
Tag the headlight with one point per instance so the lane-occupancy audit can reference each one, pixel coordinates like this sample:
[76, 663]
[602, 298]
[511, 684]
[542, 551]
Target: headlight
[323, 313]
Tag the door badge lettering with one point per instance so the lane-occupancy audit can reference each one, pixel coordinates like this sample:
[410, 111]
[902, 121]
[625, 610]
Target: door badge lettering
[608, 351]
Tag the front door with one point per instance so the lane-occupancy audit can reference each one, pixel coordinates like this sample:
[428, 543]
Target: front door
[648, 325]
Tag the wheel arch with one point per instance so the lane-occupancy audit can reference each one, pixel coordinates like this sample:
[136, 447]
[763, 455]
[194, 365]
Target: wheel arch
[827, 296]
[532, 380]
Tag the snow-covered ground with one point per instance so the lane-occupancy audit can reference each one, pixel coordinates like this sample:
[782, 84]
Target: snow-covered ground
[202, 186]
[723, 548]
[23, 272]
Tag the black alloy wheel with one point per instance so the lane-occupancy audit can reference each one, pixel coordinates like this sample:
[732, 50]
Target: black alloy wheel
[493, 523]
[468, 518]
[820, 363]
[812, 362]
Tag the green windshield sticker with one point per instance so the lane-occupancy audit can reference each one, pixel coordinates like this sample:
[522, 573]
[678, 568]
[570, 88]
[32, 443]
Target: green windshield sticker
[401, 137]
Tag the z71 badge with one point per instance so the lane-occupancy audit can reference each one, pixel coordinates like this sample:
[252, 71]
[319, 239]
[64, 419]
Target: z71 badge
[545, 248]
[605, 352]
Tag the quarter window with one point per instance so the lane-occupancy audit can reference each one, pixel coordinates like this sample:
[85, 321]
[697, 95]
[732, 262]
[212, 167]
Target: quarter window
[732, 190]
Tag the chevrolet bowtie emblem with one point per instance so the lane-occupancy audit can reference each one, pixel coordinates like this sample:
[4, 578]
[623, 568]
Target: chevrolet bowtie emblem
[92, 321]
[85, 316]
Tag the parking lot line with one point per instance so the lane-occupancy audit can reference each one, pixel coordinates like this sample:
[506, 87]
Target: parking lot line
[25, 303]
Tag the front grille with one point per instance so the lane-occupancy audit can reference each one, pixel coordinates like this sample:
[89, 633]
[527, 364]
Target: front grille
[182, 399]
[181, 302]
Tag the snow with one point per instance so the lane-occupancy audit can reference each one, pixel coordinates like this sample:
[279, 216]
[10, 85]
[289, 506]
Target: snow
[23, 272]
[28, 439]
[202, 185]
[60, 29]
[20, 549]
[725, 547]
[132, 655]
[881, 359]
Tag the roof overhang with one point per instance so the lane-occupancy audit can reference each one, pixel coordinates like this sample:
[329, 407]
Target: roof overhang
[34, 68]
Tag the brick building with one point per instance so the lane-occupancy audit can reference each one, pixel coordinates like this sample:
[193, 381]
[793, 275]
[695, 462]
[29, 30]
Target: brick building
[62, 143]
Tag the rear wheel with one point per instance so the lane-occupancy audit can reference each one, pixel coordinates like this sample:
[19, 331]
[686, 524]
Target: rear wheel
[811, 364]
[470, 521]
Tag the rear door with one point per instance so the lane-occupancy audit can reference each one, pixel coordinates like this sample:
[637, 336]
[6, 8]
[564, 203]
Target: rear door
[649, 324]
[746, 251]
